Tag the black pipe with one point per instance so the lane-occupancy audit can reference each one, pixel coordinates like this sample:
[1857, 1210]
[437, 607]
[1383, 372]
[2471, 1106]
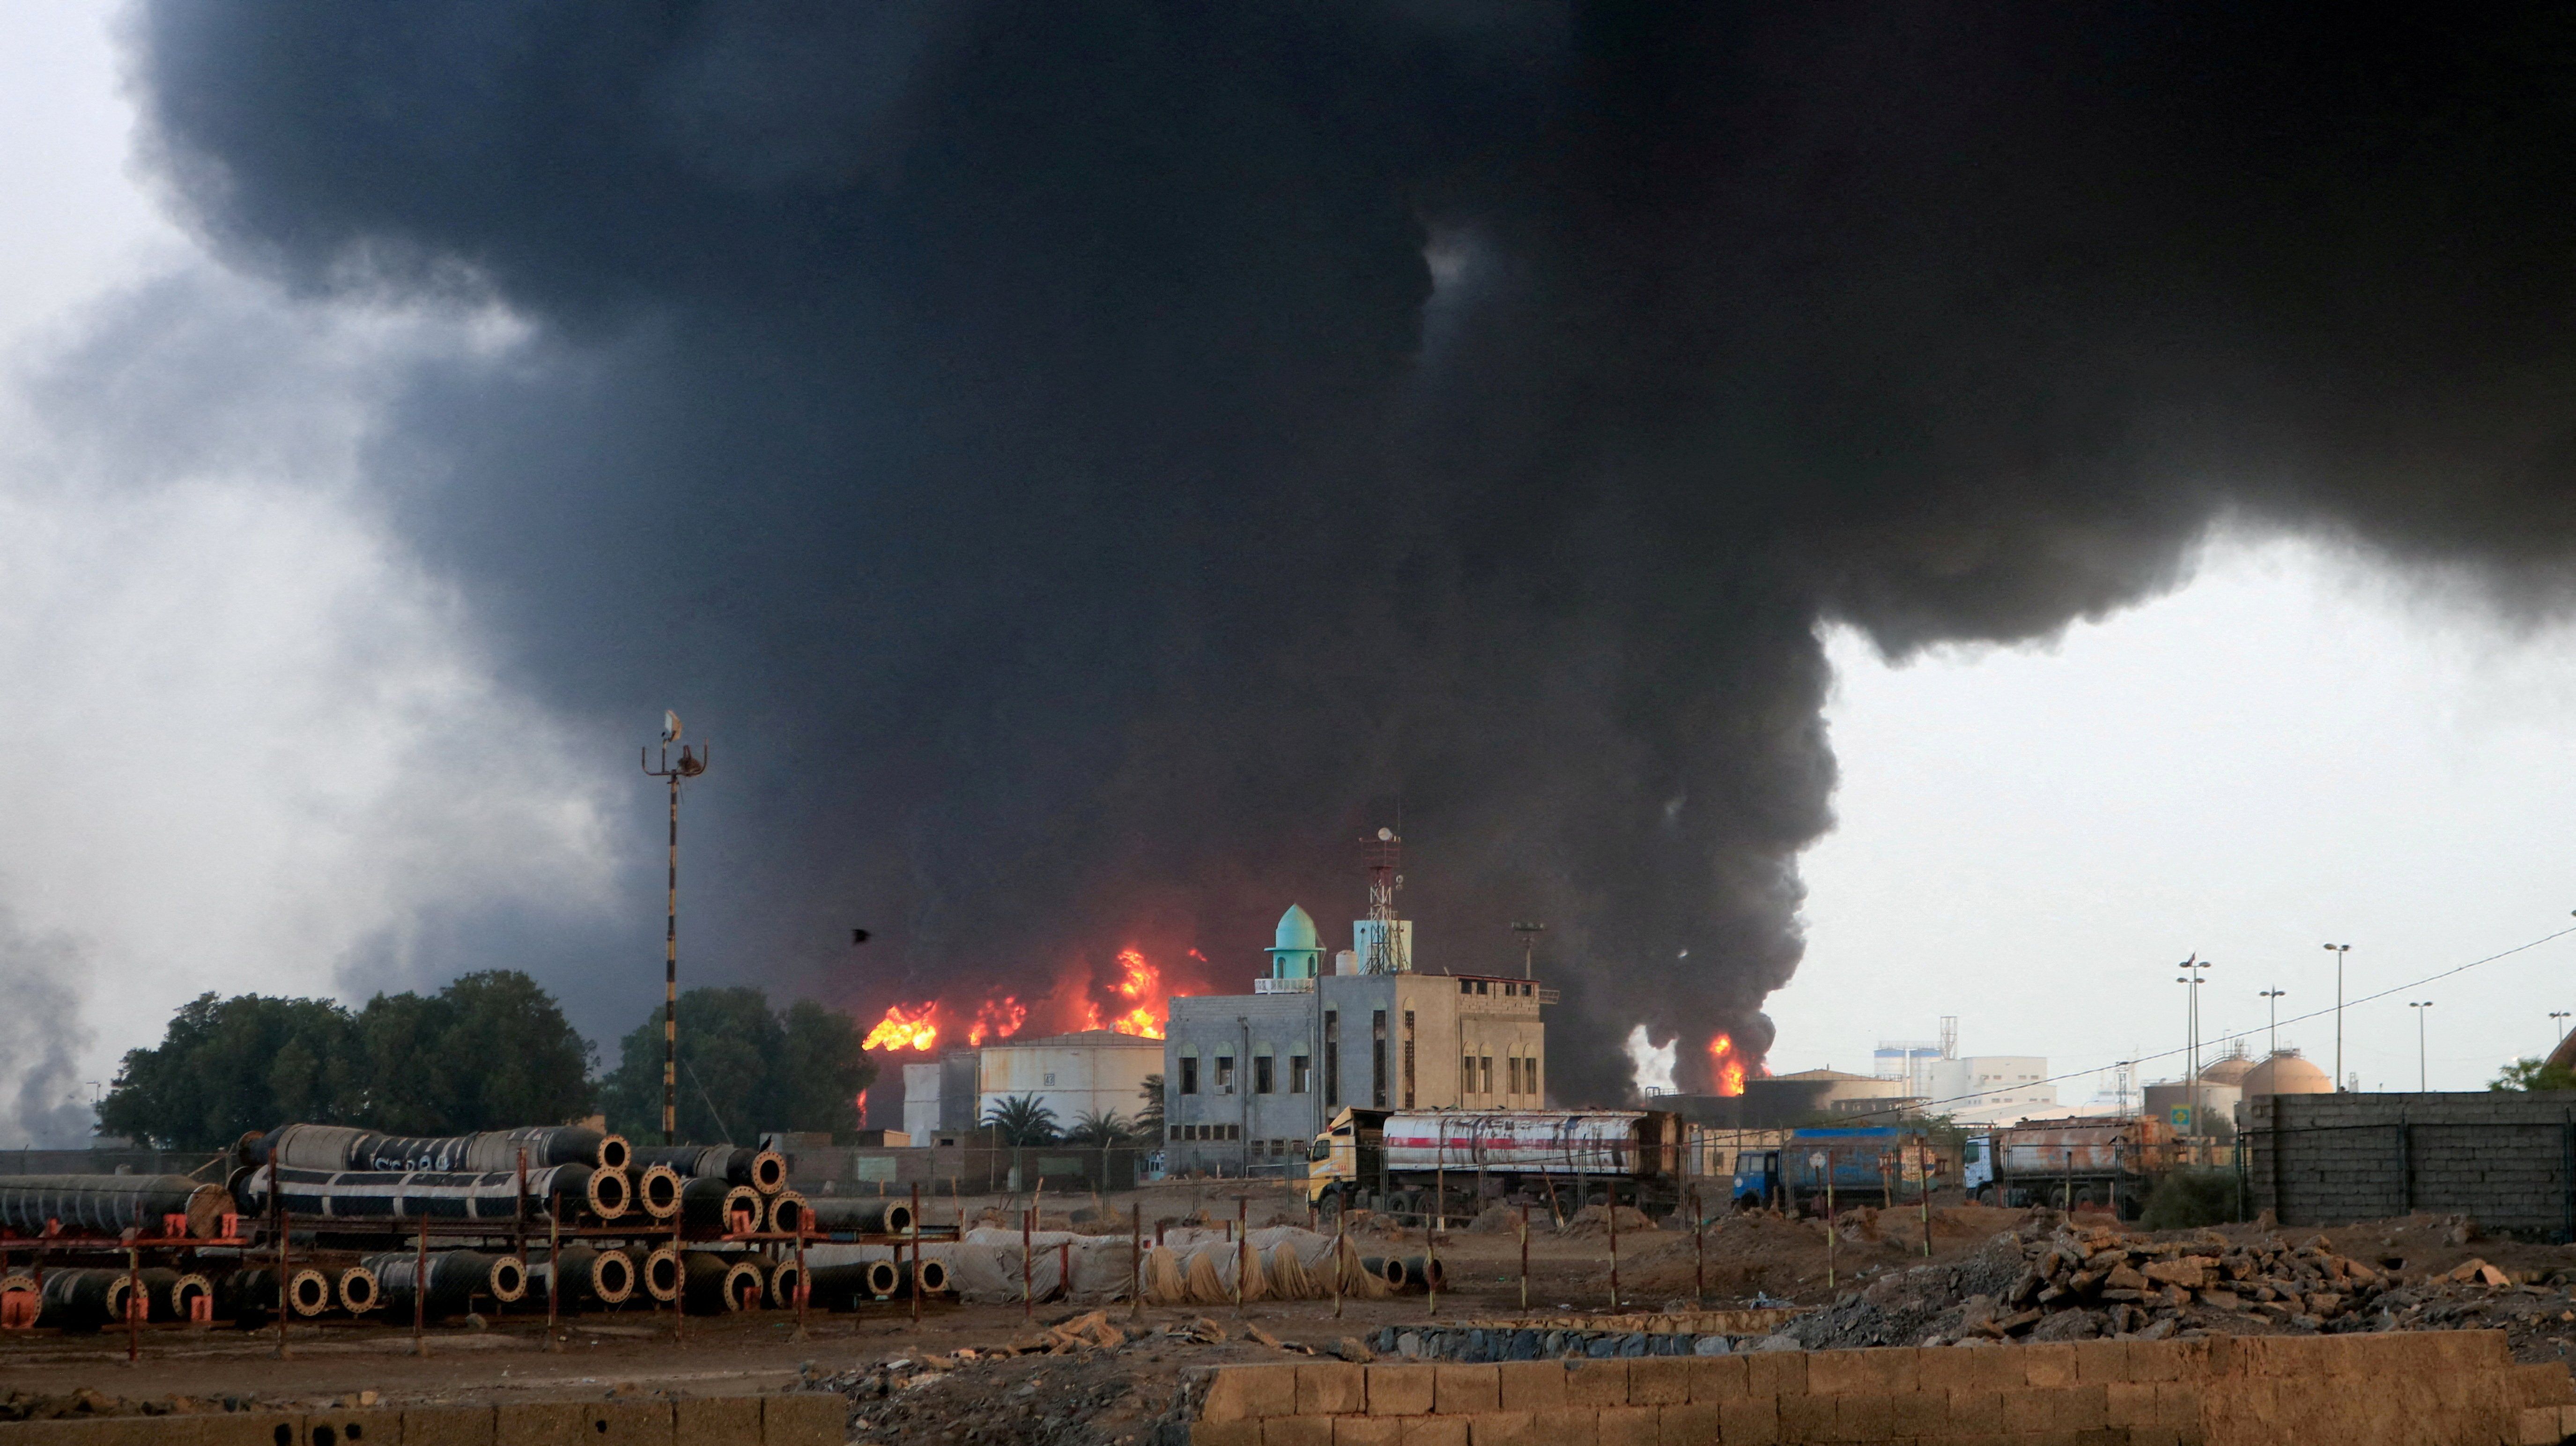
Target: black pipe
[830, 1214]
[456, 1278]
[934, 1277]
[783, 1278]
[338, 1147]
[786, 1212]
[589, 1276]
[841, 1287]
[82, 1300]
[657, 1191]
[763, 1170]
[360, 1291]
[715, 1282]
[657, 1271]
[110, 1204]
[712, 1203]
[434, 1194]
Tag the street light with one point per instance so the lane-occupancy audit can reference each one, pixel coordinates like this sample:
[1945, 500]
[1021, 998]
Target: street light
[2562, 1029]
[2422, 1075]
[2340, 950]
[2191, 976]
[2274, 996]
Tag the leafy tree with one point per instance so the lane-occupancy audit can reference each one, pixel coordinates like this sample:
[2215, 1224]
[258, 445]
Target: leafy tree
[1093, 1127]
[1022, 1120]
[489, 1051]
[1149, 1118]
[225, 1067]
[743, 1069]
[2534, 1074]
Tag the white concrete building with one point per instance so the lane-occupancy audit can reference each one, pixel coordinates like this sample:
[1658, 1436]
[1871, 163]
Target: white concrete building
[1091, 1071]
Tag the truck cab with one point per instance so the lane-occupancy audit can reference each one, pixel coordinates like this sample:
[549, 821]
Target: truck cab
[1348, 1152]
[1757, 1178]
[1977, 1164]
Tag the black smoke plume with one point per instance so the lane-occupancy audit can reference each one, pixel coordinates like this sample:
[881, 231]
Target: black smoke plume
[1086, 462]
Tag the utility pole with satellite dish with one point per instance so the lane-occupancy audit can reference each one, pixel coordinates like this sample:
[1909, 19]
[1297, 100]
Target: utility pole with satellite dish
[689, 766]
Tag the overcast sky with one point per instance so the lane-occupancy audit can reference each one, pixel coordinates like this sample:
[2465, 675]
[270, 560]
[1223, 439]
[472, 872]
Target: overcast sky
[252, 742]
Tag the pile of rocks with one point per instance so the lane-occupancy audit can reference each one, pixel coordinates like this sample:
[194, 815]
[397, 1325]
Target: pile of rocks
[2120, 1284]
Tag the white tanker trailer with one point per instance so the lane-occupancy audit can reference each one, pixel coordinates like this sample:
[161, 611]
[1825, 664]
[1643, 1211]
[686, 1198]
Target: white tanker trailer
[1401, 1159]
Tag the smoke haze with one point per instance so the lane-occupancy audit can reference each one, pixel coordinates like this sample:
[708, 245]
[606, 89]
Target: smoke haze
[1082, 465]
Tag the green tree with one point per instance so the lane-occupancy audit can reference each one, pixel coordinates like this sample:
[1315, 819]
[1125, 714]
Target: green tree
[1149, 1115]
[743, 1069]
[1021, 1120]
[490, 1051]
[1095, 1128]
[225, 1067]
[2531, 1073]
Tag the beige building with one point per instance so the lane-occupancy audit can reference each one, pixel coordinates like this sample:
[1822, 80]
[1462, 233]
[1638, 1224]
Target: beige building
[1089, 1072]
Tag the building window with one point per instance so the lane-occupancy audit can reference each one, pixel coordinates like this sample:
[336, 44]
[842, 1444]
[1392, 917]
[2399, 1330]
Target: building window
[1487, 1070]
[1189, 1074]
[1466, 1074]
[1408, 1059]
[1377, 1059]
[1466, 986]
[1225, 1074]
[1512, 1073]
[1050, 1079]
[1332, 1058]
[1261, 1080]
[1297, 1074]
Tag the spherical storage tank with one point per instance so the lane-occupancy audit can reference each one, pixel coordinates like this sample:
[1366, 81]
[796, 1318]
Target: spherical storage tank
[2287, 1074]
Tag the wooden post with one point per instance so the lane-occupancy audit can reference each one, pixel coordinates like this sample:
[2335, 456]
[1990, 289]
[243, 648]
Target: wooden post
[804, 1283]
[1028, 1299]
[1064, 1266]
[680, 1291]
[916, 1252]
[133, 1299]
[1830, 1232]
[1136, 1256]
[519, 1219]
[1341, 1223]
[1923, 1195]
[554, 1277]
[1242, 1248]
[420, 1293]
[1613, 1195]
[277, 1222]
[1699, 1252]
[1525, 1257]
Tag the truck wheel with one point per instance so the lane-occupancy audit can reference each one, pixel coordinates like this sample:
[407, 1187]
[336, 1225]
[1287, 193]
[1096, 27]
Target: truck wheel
[1328, 1212]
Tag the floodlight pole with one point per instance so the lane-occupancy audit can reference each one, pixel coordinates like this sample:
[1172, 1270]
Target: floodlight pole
[689, 766]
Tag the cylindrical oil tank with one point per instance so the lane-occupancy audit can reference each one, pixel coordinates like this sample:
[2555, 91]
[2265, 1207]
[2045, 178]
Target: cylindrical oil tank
[1531, 1142]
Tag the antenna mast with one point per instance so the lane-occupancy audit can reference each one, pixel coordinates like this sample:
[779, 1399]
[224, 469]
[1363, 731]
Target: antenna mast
[1385, 950]
[689, 766]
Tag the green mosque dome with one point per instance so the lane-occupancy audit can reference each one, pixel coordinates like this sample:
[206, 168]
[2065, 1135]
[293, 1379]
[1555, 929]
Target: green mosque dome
[1297, 931]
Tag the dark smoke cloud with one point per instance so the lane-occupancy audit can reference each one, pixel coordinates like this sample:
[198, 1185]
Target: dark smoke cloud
[1084, 463]
[41, 1039]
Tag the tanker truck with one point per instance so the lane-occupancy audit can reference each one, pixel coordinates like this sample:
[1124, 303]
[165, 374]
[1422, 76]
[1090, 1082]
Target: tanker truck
[1455, 1162]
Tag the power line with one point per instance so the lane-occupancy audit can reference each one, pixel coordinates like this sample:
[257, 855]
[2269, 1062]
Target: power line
[2248, 1034]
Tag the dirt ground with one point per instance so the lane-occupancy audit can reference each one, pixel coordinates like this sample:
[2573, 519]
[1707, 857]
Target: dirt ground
[981, 1375]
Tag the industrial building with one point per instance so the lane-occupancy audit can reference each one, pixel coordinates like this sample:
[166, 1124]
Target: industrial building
[1984, 1089]
[1097, 1072]
[1249, 1079]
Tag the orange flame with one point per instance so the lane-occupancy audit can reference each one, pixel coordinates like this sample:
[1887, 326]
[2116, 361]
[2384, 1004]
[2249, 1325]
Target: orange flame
[862, 1103]
[997, 1019]
[1141, 1003]
[1726, 1064]
[906, 1027]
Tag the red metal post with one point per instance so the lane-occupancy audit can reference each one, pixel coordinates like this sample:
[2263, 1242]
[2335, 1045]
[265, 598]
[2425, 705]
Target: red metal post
[916, 1252]
[1028, 1302]
[420, 1293]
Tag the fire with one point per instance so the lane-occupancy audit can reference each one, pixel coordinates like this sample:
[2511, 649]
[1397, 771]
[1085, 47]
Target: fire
[997, 1019]
[1141, 1002]
[913, 1026]
[1726, 1064]
[861, 1101]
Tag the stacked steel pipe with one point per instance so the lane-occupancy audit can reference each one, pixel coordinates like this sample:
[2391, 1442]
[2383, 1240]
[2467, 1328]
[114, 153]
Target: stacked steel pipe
[581, 1275]
[711, 1203]
[715, 1282]
[82, 1300]
[863, 1217]
[455, 1278]
[110, 1204]
[338, 1147]
[762, 1170]
[433, 1194]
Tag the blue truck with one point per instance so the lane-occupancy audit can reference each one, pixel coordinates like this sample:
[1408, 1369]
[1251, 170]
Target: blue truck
[1879, 1166]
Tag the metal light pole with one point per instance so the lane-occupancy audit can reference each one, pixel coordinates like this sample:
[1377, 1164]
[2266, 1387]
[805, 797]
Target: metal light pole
[2190, 977]
[2339, 950]
[689, 766]
[2274, 997]
[1529, 945]
[2422, 1072]
[2560, 1015]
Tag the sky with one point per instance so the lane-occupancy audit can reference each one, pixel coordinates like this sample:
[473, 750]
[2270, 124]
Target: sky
[262, 743]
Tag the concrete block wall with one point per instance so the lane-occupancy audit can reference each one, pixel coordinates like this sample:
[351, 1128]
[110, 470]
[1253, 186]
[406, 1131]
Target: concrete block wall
[2331, 1159]
[2454, 1388]
[805, 1419]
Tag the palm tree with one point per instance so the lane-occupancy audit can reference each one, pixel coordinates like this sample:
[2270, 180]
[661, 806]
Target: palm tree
[1022, 1120]
[1149, 1120]
[1090, 1128]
